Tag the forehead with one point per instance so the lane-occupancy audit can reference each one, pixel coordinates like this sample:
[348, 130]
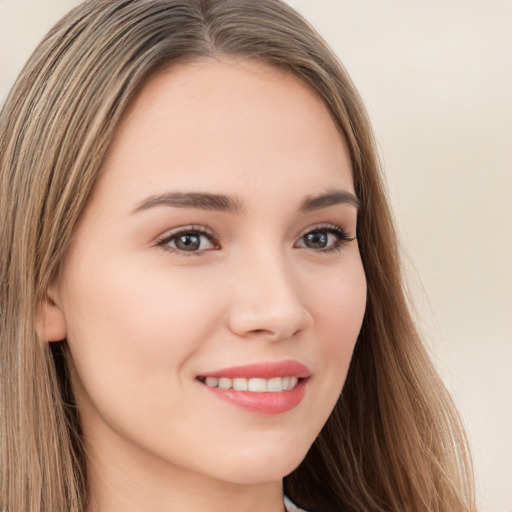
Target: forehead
[212, 123]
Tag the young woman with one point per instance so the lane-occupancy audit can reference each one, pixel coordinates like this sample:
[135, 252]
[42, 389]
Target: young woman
[201, 300]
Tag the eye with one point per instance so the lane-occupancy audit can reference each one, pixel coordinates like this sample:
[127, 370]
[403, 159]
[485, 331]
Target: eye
[189, 240]
[324, 239]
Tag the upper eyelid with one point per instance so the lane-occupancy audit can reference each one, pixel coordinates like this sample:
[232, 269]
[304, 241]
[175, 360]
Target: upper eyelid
[327, 226]
[202, 230]
[187, 229]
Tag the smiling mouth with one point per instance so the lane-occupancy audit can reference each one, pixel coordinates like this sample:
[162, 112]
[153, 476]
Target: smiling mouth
[254, 384]
[267, 388]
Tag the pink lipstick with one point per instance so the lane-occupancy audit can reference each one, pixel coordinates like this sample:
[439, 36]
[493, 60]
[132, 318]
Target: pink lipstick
[264, 388]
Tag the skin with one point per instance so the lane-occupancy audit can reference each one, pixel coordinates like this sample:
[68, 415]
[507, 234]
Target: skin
[143, 319]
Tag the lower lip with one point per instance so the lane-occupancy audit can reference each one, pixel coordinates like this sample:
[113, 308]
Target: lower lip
[267, 403]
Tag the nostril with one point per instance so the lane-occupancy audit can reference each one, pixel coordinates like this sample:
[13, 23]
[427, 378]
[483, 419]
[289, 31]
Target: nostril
[268, 319]
[272, 333]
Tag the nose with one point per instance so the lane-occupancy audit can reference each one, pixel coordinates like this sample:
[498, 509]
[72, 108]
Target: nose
[267, 299]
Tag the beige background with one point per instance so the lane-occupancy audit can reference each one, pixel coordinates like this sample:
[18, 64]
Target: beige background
[437, 79]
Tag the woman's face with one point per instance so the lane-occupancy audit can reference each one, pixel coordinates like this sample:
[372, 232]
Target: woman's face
[217, 249]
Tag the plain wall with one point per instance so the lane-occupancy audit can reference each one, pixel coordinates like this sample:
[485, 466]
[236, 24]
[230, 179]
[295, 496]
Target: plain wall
[437, 80]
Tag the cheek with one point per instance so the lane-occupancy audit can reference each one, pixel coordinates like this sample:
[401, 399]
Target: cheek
[137, 305]
[339, 309]
[133, 328]
[339, 305]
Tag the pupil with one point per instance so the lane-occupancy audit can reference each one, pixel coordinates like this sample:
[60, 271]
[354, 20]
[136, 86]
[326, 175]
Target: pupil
[316, 240]
[188, 242]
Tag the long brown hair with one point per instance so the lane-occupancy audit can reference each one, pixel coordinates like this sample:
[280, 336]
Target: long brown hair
[394, 440]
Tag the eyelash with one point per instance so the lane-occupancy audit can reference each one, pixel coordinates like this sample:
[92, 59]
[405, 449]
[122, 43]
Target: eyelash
[191, 231]
[342, 239]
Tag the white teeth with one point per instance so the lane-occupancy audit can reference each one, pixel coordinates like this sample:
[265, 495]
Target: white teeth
[255, 384]
[225, 383]
[275, 384]
[292, 383]
[259, 385]
[212, 382]
[240, 384]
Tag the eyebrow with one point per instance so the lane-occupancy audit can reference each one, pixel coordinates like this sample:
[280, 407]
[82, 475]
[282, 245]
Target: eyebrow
[223, 203]
[331, 198]
[196, 200]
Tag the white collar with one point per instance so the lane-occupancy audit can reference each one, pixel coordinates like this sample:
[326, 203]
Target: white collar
[291, 507]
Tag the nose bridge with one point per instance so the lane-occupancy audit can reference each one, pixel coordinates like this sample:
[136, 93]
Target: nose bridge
[268, 300]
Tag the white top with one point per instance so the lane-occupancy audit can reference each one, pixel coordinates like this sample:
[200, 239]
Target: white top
[290, 507]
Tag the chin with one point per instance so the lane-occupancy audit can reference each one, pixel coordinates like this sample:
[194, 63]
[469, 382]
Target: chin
[264, 464]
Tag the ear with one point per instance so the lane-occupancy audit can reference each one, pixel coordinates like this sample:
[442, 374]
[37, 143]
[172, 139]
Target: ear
[50, 321]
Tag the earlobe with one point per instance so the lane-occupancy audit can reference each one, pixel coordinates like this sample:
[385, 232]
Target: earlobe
[50, 321]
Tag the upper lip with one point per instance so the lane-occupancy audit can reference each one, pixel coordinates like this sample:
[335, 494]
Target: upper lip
[266, 370]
